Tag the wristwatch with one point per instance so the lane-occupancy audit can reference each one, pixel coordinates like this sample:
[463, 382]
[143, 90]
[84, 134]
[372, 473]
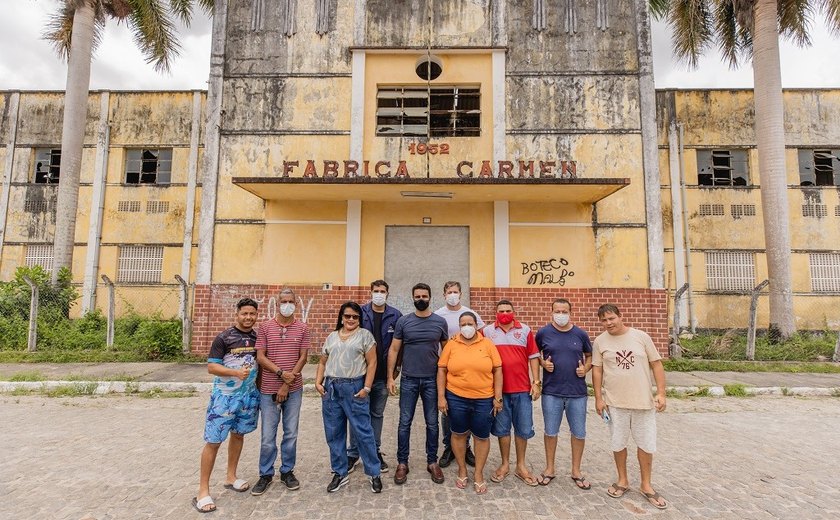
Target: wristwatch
[366, 389]
[279, 372]
[499, 400]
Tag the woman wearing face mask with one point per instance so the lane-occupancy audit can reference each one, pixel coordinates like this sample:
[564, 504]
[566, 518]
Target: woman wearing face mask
[469, 386]
[344, 378]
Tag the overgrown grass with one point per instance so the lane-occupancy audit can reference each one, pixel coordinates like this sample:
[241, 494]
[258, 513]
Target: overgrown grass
[27, 375]
[706, 365]
[732, 346]
[72, 390]
[735, 390]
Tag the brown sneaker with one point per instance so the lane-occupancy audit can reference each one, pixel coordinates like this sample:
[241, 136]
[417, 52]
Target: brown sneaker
[436, 473]
[401, 475]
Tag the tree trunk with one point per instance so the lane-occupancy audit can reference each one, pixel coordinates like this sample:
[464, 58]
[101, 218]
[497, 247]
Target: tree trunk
[770, 136]
[72, 136]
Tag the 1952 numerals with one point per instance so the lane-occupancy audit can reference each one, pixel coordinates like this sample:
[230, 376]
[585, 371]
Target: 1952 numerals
[431, 149]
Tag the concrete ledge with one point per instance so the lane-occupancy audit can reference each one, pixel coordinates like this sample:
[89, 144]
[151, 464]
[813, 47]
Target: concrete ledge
[719, 391]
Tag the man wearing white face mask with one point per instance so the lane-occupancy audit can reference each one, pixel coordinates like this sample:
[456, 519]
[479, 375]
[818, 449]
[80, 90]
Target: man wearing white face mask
[380, 319]
[566, 357]
[282, 347]
[451, 312]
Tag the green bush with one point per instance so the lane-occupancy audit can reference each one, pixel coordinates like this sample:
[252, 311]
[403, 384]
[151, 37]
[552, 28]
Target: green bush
[732, 346]
[158, 339]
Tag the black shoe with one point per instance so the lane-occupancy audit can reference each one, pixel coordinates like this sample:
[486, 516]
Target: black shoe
[351, 464]
[261, 485]
[470, 457]
[447, 458]
[337, 482]
[376, 484]
[289, 479]
[383, 466]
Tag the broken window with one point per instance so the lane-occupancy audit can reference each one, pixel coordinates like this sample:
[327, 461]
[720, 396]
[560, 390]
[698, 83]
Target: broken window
[148, 166]
[722, 168]
[47, 165]
[423, 112]
[819, 168]
[140, 264]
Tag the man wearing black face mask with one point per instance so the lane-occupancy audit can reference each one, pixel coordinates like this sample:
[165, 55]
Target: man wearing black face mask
[421, 336]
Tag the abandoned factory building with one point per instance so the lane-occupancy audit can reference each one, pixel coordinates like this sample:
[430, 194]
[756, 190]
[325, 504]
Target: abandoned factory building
[517, 147]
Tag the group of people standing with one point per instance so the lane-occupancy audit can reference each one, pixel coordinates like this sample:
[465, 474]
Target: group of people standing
[482, 377]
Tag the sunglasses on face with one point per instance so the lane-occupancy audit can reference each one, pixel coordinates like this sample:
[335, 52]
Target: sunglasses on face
[350, 316]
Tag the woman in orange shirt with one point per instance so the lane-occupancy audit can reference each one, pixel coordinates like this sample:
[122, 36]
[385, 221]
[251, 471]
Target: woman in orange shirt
[469, 383]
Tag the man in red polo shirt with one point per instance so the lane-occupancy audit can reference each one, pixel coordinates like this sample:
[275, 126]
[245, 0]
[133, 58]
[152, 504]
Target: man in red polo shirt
[282, 347]
[519, 353]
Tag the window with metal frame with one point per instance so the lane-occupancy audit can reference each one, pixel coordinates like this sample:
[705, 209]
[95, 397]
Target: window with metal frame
[825, 272]
[422, 112]
[819, 167]
[722, 168]
[40, 254]
[140, 264]
[148, 166]
[47, 165]
[730, 271]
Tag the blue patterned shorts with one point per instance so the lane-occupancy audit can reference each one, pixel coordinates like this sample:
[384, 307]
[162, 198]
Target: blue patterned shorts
[236, 412]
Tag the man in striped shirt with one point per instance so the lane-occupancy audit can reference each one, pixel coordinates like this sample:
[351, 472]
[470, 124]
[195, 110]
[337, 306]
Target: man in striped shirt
[282, 347]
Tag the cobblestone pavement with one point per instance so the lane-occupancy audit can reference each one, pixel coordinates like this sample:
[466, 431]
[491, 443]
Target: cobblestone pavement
[131, 457]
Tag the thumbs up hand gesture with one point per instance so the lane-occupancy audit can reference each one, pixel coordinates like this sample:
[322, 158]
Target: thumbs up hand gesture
[548, 365]
[580, 370]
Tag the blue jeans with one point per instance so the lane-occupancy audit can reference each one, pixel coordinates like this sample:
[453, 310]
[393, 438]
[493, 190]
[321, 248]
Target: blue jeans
[470, 415]
[378, 399]
[271, 414]
[575, 409]
[340, 406]
[412, 388]
[518, 412]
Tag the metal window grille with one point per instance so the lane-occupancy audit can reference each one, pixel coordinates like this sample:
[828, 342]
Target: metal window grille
[40, 254]
[707, 210]
[128, 206]
[148, 166]
[36, 206]
[825, 272]
[140, 264]
[47, 165]
[837, 211]
[814, 210]
[742, 210]
[157, 206]
[730, 271]
[423, 112]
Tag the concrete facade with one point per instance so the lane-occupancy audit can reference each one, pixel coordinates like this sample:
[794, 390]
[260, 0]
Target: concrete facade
[570, 175]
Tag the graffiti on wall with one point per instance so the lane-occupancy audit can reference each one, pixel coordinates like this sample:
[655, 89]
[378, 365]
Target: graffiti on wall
[550, 271]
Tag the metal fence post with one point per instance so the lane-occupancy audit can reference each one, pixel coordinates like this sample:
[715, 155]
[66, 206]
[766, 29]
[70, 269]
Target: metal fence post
[836, 357]
[186, 325]
[753, 312]
[676, 348]
[109, 337]
[32, 338]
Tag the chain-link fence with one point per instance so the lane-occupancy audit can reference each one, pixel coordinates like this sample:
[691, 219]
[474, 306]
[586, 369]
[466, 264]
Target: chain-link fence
[149, 321]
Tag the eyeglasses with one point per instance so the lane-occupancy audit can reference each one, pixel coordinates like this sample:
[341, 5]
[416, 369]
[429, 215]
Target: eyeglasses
[350, 316]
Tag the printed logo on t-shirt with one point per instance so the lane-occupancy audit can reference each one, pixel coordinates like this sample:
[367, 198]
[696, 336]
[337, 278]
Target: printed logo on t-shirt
[517, 335]
[625, 359]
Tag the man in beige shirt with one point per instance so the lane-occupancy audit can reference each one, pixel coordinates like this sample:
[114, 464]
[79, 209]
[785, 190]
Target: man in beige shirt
[622, 361]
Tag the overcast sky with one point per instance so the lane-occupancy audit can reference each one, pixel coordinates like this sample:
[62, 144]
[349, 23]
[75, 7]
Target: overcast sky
[27, 62]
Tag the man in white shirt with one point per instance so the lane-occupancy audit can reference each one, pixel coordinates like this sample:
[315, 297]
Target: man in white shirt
[451, 312]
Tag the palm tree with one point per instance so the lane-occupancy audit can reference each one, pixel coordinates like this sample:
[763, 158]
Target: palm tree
[75, 30]
[751, 28]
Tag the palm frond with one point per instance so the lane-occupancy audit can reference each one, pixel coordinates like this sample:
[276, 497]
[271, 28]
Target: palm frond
[60, 26]
[795, 20]
[659, 8]
[182, 9]
[831, 9]
[727, 31]
[208, 6]
[154, 32]
[693, 29]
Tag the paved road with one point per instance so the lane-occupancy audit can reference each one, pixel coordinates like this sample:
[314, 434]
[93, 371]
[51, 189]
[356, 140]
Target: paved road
[131, 457]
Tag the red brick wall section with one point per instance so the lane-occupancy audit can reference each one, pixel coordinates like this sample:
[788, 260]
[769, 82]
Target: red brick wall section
[644, 309]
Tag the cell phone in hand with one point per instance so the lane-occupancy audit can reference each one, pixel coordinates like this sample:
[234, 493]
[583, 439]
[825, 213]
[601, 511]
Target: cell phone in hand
[606, 415]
